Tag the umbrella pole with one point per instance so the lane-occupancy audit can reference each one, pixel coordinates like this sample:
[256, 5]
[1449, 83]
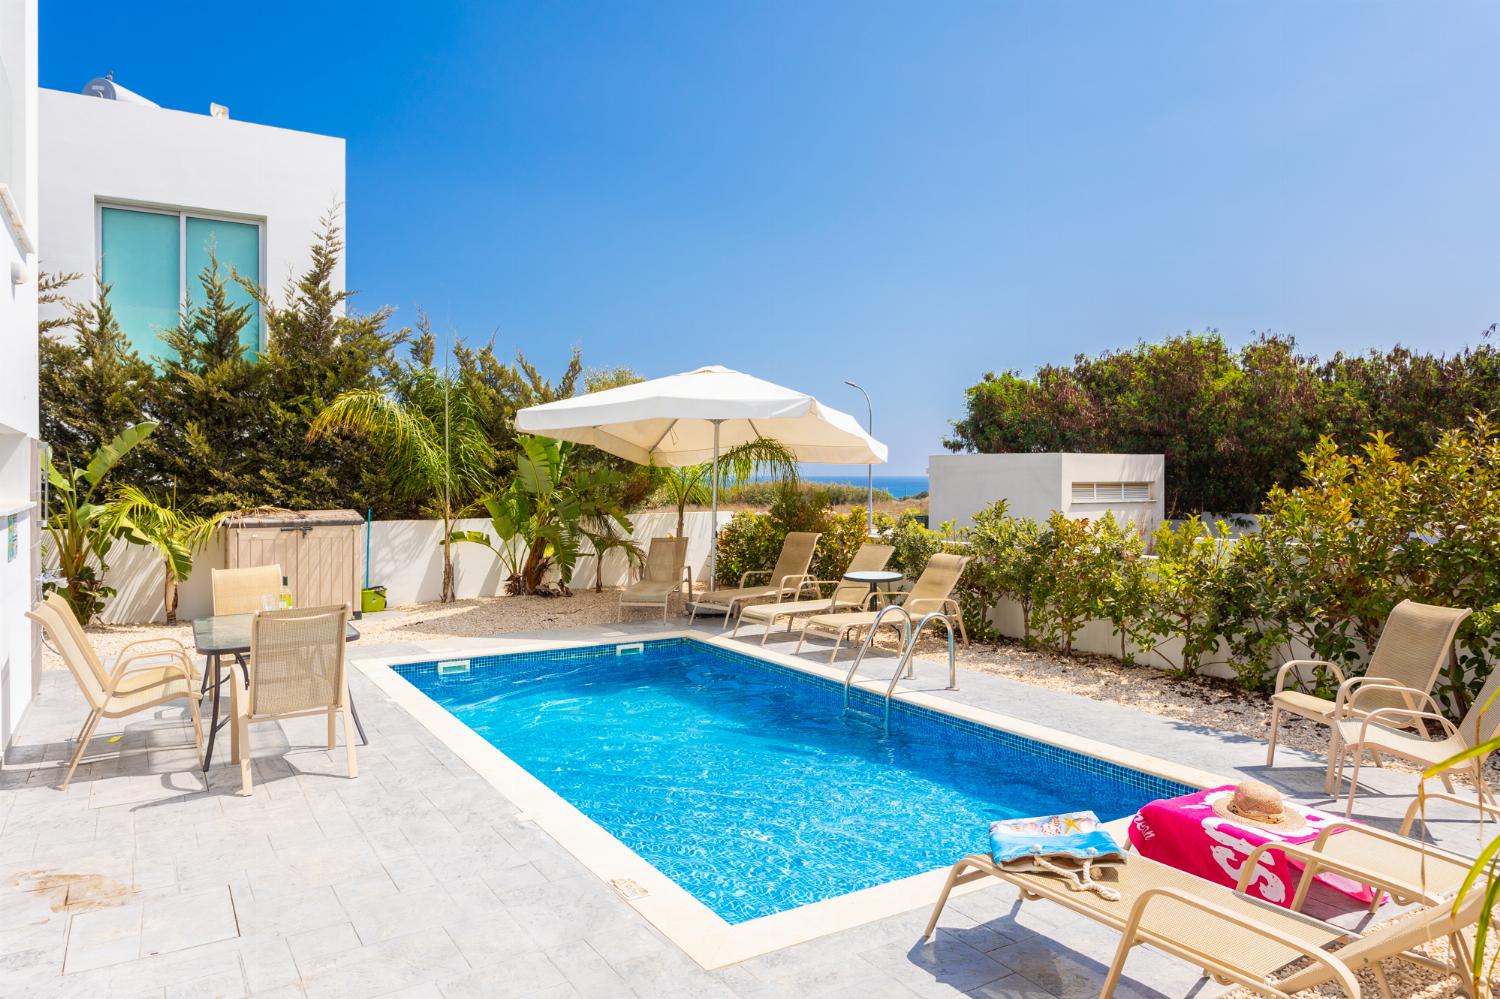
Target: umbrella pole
[713, 527]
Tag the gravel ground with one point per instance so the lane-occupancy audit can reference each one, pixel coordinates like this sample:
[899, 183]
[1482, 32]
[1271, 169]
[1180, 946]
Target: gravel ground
[1203, 701]
[1407, 981]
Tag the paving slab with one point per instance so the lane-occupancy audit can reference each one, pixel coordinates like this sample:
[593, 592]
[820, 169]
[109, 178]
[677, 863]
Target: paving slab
[420, 879]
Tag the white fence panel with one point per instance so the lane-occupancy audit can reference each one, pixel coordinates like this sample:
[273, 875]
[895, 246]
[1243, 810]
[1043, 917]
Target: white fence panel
[405, 557]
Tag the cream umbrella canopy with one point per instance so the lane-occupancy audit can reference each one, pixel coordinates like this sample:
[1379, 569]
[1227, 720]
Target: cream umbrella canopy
[688, 419]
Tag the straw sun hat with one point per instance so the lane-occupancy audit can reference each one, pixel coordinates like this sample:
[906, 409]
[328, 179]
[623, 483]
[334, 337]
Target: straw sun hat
[1259, 804]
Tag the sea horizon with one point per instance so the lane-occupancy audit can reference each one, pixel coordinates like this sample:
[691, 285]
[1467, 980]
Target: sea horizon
[899, 486]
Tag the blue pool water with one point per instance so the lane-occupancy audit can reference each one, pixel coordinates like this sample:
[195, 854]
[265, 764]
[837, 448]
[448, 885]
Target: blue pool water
[743, 782]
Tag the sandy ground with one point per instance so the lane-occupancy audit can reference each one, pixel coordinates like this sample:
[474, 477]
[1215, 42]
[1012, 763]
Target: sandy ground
[1208, 702]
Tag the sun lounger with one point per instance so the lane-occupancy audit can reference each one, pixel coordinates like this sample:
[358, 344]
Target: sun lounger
[932, 592]
[666, 573]
[845, 595]
[1233, 937]
[786, 579]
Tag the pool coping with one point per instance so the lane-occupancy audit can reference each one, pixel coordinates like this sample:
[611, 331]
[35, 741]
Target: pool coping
[699, 931]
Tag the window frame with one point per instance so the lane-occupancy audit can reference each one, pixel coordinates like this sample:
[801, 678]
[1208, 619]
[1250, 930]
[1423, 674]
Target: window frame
[183, 214]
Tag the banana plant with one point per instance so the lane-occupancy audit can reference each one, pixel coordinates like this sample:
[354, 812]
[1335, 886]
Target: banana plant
[85, 521]
[542, 518]
[176, 534]
[508, 518]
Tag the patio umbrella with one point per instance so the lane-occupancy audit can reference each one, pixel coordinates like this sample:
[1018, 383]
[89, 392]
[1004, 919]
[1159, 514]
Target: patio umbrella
[688, 419]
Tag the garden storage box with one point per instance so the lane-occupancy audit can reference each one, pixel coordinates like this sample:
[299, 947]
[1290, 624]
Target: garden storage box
[318, 551]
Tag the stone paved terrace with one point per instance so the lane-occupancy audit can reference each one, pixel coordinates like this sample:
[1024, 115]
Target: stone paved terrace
[420, 879]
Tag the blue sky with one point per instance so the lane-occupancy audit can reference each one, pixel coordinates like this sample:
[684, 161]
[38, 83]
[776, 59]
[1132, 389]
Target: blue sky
[903, 194]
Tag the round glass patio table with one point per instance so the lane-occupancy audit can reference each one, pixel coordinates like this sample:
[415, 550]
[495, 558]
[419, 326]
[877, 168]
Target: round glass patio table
[229, 635]
[875, 577]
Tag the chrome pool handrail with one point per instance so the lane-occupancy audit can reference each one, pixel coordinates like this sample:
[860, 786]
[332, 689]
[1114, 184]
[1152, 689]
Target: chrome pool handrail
[904, 665]
[911, 648]
[865, 647]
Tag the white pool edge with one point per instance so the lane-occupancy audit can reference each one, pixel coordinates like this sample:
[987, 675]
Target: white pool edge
[687, 922]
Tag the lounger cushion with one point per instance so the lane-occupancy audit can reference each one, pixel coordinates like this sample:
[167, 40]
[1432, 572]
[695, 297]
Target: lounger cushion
[722, 598]
[1304, 704]
[766, 612]
[648, 592]
[851, 619]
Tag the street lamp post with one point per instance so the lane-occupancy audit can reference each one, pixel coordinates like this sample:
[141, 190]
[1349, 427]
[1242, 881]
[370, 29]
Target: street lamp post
[869, 469]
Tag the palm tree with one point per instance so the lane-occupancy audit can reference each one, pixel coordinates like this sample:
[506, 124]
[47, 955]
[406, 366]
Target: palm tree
[691, 484]
[427, 429]
[176, 534]
[603, 538]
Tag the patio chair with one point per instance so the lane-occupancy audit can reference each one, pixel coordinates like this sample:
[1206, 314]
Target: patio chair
[787, 578]
[665, 573]
[1382, 731]
[296, 670]
[1234, 937]
[1415, 642]
[141, 678]
[845, 595]
[238, 591]
[932, 592]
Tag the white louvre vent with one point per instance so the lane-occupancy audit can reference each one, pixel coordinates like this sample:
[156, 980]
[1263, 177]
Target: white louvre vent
[1111, 492]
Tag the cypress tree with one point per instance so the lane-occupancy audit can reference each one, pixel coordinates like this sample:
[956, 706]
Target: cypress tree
[92, 384]
[208, 396]
[316, 349]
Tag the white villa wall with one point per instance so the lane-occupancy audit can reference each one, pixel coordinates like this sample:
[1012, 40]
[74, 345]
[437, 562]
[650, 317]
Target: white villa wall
[94, 150]
[18, 360]
[404, 558]
[1034, 485]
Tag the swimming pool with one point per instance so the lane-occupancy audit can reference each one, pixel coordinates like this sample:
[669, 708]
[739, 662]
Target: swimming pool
[743, 782]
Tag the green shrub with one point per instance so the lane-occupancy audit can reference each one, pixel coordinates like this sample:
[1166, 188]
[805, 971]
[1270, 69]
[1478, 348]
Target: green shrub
[914, 542]
[1368, 529]
[1067, 583]
[1007, 554]
[1125, 575]
[752, 541]
[1186, 588]
[1333, 555]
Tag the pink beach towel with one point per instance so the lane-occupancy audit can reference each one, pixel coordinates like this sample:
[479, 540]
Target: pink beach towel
[1186, 833]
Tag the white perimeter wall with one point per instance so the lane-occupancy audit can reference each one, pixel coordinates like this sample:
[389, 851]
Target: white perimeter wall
[94, 150]
[1034, 485]
[405, 558]
[18, 387]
